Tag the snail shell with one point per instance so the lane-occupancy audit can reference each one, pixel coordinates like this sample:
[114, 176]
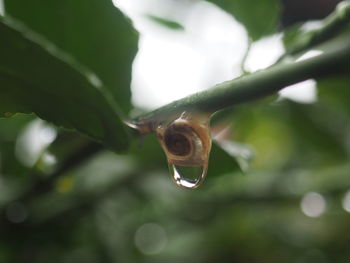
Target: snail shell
[186, 140]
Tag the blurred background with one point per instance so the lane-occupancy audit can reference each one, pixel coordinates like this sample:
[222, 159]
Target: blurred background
[278, 187]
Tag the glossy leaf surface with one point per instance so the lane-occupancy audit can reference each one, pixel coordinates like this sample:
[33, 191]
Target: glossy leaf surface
[36, 77]
[259, 17]
[93, 32]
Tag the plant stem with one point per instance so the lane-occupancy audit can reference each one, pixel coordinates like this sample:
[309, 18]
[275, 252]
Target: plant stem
[253, 86]
[331, 26]
[246, 54]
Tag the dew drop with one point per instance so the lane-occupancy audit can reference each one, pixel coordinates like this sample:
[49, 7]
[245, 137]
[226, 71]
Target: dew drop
[189, 177]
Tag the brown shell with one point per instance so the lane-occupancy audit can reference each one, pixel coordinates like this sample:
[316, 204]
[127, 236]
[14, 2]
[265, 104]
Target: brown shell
[186, 140]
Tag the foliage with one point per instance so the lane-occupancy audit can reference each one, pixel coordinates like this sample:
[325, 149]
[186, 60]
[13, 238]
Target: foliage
[94, 32]
[54, 89]
[78, 202]
[166, 22]
[259, 17]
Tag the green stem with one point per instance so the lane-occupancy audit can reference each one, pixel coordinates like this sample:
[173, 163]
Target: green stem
[246, 54]
[331, 26]
[253, 86]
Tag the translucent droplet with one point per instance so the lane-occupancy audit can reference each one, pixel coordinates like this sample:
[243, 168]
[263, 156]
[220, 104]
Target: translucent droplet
[189, 177]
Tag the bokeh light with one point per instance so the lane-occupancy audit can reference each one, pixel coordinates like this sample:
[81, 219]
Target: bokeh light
[2, 8]
[313, 204]
[150, 238]
[35, 137]
[16, 213]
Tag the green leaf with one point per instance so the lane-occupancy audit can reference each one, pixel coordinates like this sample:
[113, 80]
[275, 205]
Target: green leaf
[166, 22]
[94, 32]
[36, 77]
[293, 37]
[222, 162]
[335, 93]
[259, 17]
[315, 135]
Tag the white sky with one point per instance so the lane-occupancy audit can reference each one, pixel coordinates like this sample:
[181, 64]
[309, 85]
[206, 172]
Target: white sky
[171, 64]
[2, 9]
[264, 53]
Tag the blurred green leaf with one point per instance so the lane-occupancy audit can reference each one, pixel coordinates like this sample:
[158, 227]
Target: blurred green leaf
[265, 128]
[35, 77]
[259, 17]
[222, 162]
[166, 22]
[335, 92]
[314, 134]
[148, 153]
[288, 134]
[302, 37]
[294, 36]
[94, 32]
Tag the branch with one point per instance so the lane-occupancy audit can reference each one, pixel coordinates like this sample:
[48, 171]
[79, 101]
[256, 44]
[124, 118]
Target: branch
[331, 26]
[253, 86]
[73, 160]
[42, 185]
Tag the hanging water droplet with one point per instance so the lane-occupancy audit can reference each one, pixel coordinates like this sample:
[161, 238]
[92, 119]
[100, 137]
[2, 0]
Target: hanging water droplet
[186, 142]
[189, 177]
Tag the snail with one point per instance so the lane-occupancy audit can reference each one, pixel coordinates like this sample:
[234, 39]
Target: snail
[186, 142]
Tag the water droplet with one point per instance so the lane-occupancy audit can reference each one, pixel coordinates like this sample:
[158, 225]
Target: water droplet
[186, 142]
[189, 177]
[151, 238]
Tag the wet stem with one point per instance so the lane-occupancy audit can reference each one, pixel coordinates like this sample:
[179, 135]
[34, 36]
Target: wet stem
[259, 84]
[269, 81]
